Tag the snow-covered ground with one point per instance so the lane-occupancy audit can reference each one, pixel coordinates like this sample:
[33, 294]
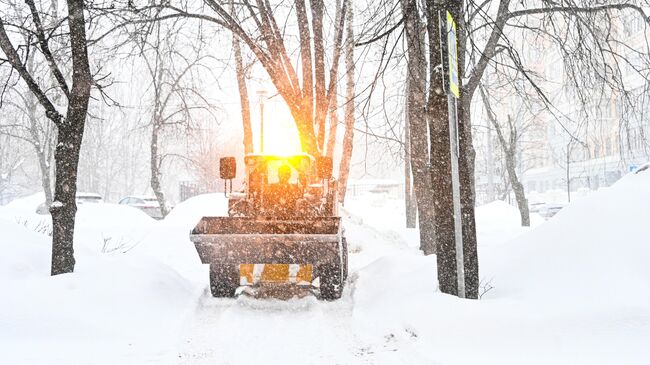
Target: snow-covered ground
[572, 290]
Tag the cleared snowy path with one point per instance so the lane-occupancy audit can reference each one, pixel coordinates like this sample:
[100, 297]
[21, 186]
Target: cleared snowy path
[252, 331]
[299, 331]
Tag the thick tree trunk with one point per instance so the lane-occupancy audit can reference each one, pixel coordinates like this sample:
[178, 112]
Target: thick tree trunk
[64, 207]
[348, 135]
[468, 199]
[466, 165]
[441, 178]
[70, 135]
[243, 97]
[444, 203]
[416, 94]
[70, 131]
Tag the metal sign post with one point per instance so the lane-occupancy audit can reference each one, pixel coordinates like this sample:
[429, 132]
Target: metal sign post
[449, 37]
[262, 95]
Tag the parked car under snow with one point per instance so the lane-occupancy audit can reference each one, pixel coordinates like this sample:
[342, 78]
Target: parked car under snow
[81, 198]
[549, 210]
[148, 204]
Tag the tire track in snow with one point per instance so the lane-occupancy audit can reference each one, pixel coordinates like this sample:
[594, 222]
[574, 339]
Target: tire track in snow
[269, 331]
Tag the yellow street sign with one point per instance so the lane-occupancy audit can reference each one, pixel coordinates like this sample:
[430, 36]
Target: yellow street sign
[453, 56]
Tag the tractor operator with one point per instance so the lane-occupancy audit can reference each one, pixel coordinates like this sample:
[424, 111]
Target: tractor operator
[283, 196]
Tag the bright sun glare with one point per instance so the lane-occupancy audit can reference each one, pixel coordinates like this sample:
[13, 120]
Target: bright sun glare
[281, 138]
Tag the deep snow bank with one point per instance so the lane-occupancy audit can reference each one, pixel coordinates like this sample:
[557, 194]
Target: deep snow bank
[24, 252]
[188, 213]
[573, 290]
[103, 227]
[498, 222]
[28, 203]
[112, 308]
[597, 245]
[23, 212]
[169, 240]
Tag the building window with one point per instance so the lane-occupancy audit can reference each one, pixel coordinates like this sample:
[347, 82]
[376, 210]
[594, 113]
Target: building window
[634, 24]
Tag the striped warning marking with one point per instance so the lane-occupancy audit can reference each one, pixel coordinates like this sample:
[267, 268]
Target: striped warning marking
[251, 274]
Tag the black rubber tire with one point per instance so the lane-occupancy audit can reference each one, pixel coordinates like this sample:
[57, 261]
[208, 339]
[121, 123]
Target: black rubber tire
[224, 280]
[345, 259]
[331, 285]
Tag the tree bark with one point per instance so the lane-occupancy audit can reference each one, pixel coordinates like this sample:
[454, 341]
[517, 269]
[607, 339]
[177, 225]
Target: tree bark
[306, 131]
[416, 96]
[468, 200]
[321, 104]
[441, 178]
[466, 165]
[64, 208]
[410, 205]
[155, 165]
[332, 99]
[333, 127]
[70, 128]
[348, 135]
[243, 97]
[307, 102]
[67, 150]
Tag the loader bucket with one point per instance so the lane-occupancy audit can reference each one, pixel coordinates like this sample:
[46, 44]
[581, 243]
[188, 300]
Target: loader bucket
[250, 251]
[240, 240]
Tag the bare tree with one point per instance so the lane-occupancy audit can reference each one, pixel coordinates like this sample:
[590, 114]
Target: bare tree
[29, 125]
[418, 123]
[70, 126]
[509, 144]
[171, 65]
[429, 131]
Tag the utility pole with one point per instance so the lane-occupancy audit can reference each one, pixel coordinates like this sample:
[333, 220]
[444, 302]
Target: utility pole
[450, 64]
[409, 200]
[262, 96]
[491, 196]
[568, 171]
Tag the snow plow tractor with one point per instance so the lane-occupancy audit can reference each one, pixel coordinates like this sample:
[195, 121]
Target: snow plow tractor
[282, 229]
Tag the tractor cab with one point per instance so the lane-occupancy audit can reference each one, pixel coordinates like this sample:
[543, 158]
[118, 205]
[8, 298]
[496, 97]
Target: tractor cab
[282, 186]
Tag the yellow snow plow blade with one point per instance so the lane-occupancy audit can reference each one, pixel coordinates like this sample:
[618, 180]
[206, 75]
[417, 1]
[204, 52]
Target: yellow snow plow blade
[252, 274]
